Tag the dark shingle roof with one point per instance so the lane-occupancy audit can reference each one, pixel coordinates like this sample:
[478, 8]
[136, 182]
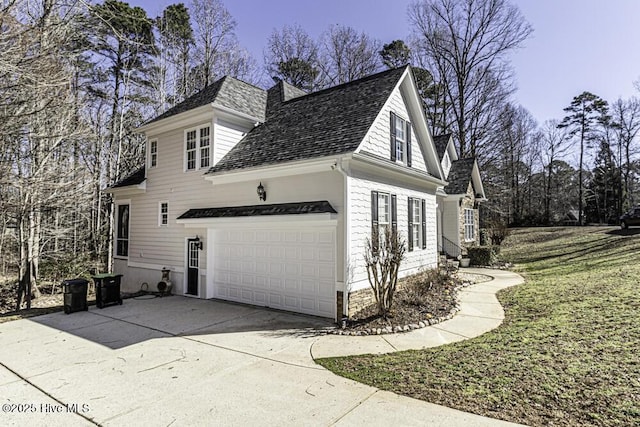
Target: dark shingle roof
[258, 210]
[441, 142]
[135, 178]
[460, 176]
[226, 92]
[330, 122]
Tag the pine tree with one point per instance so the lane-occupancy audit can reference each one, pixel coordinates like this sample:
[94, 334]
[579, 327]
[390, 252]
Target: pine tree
[584, 115]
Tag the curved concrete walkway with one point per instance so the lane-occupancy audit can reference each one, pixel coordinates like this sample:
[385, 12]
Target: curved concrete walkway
[480, 312]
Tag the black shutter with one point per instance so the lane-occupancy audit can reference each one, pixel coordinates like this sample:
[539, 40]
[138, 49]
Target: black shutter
[394, 214]
[374, 213]
[410, 224]
[424, 225]
[375, 238]
[392, 126]
[408, 136]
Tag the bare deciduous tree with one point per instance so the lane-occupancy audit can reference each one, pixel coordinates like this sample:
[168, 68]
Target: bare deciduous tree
[347, 55]
[383, 255]
[466, 44]
[215, 37]
[292, 55]
[626, 118]
[554, 146]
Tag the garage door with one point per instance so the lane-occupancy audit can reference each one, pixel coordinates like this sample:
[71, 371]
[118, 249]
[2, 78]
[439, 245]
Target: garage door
[288, 269]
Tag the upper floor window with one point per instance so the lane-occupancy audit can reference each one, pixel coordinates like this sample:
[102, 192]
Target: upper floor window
[400, 140]
[122, 230]
[153, 153]
[198, 148]
[469, 225]
[163, 213]
[205, 147]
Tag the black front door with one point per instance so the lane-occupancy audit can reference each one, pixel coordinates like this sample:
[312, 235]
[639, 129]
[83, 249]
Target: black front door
[192, 266]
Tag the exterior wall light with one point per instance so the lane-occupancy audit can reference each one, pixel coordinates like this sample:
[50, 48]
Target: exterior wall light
[198, 242]
[262, 193]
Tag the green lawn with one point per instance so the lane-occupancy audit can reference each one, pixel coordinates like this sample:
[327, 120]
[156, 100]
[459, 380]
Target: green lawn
[568, 352]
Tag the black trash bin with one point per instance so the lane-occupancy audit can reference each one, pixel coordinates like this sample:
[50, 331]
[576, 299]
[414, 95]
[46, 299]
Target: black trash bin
[107, 289]
[75, 295]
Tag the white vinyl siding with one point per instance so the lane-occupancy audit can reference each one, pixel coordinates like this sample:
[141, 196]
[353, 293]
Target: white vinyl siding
[446, 164]
[156, 247]
[227, 135]
[361, 218]
[469, 225]
[377, 140]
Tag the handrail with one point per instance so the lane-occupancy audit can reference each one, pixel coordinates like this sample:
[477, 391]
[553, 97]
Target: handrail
[449, 248]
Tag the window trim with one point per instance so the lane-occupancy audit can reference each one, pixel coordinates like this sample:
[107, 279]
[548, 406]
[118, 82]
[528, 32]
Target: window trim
[469, 227]
[116, 238]
[375, 211]
[153, 153]
[163, 217]
[197, 150]
[406, 142]
[419, 226]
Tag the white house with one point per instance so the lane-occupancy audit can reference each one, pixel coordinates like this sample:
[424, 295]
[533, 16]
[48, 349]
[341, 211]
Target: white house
[458, 201]
[267, 197]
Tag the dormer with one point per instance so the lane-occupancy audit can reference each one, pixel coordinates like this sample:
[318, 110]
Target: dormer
[446, 151]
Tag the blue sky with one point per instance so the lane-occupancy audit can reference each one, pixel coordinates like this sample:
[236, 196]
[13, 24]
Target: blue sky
[577, 45]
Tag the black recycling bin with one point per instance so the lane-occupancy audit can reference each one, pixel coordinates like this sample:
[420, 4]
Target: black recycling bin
[75, 295]
[107, 289]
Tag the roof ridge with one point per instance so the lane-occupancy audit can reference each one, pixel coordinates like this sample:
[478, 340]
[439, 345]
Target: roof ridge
[352, 82]
[242, 81]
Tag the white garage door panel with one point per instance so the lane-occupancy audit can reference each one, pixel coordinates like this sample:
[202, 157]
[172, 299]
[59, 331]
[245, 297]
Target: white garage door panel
[285, 269]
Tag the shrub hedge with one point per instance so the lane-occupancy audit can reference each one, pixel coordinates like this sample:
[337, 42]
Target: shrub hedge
[483, 255]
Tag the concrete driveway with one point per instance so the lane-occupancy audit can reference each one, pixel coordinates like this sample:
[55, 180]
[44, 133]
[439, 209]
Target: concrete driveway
[182, 361]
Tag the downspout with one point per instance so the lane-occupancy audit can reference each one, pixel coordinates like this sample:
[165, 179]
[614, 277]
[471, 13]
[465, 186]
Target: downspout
[346, 242]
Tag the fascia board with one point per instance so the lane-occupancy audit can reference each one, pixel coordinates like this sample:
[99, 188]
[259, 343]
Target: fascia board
[270, 221]
[389, 169]
[273, 171]
[130, 189]
[181, 120]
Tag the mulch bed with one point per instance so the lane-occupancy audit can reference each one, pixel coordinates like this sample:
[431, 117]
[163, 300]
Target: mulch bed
[423, 299]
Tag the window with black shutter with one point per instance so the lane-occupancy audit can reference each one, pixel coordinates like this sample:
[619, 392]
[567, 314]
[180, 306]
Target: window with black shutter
[384, 212]
[417, 224]
[400, 140]
[410, 210]
[424, 225]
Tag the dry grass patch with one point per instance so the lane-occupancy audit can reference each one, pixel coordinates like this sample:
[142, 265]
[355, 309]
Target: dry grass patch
[567, 352]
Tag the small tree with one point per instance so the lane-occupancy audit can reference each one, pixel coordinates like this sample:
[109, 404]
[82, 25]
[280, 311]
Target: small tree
[383, 255]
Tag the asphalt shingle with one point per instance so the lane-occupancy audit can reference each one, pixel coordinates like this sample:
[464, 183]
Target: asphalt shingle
[459, 176]
[329, 122]
[441, 142]
[261, 210]
[227, 92]
[135, 178]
